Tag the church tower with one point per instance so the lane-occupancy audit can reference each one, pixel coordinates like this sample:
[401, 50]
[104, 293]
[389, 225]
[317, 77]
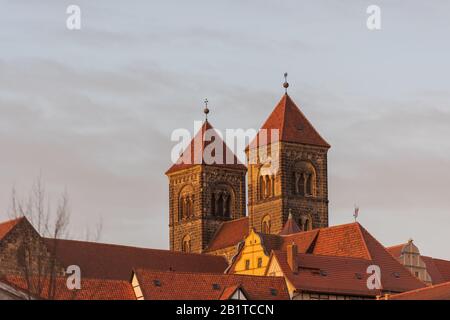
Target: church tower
[287, 172]
[204, 191]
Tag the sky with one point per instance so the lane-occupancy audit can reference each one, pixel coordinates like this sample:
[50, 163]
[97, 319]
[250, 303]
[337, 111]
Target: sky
[91, 111]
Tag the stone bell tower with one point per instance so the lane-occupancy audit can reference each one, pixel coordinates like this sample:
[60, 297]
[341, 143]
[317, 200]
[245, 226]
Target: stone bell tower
[287, 171]
[204, 191]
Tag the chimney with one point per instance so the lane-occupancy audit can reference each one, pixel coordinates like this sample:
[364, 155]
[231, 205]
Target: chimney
[292, 257]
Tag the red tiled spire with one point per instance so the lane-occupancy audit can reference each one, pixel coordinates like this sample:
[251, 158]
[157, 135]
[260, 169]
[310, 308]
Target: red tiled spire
[290, 227]
[194, 153]
[292, 124]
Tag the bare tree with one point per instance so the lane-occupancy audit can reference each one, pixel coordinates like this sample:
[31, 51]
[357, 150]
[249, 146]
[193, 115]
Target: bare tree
[36, 259]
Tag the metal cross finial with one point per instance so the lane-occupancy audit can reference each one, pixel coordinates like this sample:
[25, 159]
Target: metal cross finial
[285, 84]
[206, 110]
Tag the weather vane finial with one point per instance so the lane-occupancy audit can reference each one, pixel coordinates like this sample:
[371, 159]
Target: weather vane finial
[285, 84]
[356, 212]
[206, 110]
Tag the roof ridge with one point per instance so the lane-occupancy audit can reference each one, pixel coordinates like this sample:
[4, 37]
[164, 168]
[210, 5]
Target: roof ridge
[396, 246]
[207, 273]
[364, 241]
[325, 256]
[300, 232]
[133, 247]
[423, 288]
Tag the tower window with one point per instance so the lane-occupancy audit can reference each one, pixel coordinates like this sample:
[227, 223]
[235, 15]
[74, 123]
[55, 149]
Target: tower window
[305, 223]
[266, 186]
[222, 202]
[266, 181]
[259, 262]
[304, 179]
[186, 203]
[266, 224]
[247, 264]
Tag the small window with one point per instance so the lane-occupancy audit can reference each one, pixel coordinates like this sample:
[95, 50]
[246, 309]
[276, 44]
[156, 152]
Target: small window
[259, 262]
[157, 283]
[273, 292]
[247, 264]
[216, 286]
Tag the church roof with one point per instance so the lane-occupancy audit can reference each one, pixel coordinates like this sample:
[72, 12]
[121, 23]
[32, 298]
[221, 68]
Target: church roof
[194, 154]
[229, 234]
[109, 261]
[160, 285]
[292, 124]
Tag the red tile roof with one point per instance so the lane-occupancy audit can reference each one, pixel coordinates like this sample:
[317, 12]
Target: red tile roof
[346, 275]
[343, 240]
[396, 251]
[91, 289]
[327, 274]
[304, 240]
[108, 261]
[395, 277]
[158, 285]
[292, 124]
[194, 153]
[350, 241]
[7, 226]
[436, 292]
[229, 234]
[438, 269]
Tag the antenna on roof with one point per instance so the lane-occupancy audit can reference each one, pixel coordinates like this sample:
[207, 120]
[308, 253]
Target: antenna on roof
[206, 110]
[285, 84]
[356, 212]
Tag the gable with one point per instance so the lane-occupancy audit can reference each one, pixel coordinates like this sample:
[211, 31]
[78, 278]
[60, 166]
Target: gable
[253, 256]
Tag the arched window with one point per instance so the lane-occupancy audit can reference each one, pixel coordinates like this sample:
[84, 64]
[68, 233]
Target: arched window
[304, 179]
[222, 200]
[186, 203]
[266, 224]
[268, 187]
[186, 244]
[262, 188]
[305, 222]
[266, 181]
